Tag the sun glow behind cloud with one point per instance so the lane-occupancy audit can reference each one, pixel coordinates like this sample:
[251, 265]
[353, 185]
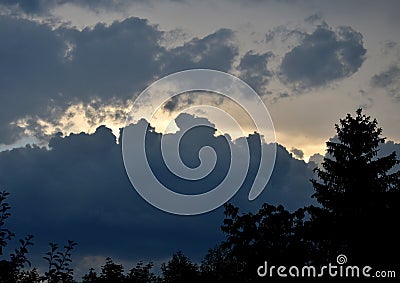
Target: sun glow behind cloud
[71, 66]
[259, 47]
[75, 119]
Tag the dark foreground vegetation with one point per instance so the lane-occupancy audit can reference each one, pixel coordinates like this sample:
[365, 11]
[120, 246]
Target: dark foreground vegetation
[358, 216]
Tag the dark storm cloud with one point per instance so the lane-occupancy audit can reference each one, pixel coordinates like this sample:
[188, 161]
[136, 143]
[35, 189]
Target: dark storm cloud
[122, 58]
[113, 61]
[388, 80]
[30, 56]
[106, 62]
[42, 70]
[254, 70]
[323, 56]
[79, 190]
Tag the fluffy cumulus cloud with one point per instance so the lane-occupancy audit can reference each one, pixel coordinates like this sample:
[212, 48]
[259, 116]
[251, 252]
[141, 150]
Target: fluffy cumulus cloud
[78, 189]
[323, 56]
[45, 70]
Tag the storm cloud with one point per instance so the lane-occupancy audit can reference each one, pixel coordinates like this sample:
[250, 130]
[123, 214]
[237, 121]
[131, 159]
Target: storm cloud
[71, 65]
[323, 56]
[78, 189]
[45, 70]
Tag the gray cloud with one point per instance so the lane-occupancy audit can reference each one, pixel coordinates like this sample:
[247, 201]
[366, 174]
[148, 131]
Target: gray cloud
[79, 190]
[30, 56]
[314, 18]
[280, 96]
[254, 70]
[388, 80]
[389, 46]
[185, 121]
[298, 153]
[215, 51]
[33, 6]
[315, 160]
[113, 61]
[171, 104]
[39, 7]
[323, 56]
[43, 70]
[184, 100]
[387, 148]
[283, 33]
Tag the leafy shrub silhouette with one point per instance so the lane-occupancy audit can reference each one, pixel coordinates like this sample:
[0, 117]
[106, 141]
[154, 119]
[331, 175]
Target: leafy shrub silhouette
[59, 264]
[11, 269]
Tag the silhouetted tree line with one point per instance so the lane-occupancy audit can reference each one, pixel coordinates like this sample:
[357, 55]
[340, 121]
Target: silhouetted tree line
[358, 193]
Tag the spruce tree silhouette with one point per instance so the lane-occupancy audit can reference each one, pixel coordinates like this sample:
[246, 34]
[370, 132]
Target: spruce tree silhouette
[359, 197]
[359, 194]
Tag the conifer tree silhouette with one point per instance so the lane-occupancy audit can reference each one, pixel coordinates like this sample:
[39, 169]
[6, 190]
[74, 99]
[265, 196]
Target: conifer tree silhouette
[359, 193]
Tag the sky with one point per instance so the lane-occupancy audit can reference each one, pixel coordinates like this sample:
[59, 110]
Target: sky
[70, 71]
